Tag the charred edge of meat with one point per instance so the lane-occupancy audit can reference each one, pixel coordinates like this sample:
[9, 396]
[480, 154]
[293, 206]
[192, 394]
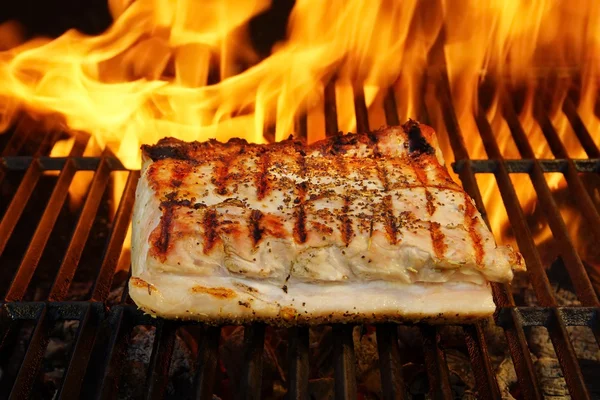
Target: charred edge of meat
[209, 223]
[417, 144]
[374, 141]
[340, 143]
[255, 229]
[166, 152]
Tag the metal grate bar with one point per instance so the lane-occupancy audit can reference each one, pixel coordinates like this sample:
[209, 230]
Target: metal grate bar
[32, 362]
[254, 340]
[206, 368]
[105, 386]
[525, 166]
[65, 274]
[535, 269]
[301, 126]
[579, 277]
[17, 205]
[435, 361]
[502, 295]
[45, 144]
[487, 387]
[10, 337]
[117, 236]
[80, 355]
[58, 163]
[269, 125]
[572, 316]
[158, 376]
[539, 278]
[344, 362]
[517, 344]
[390, 108]
[572, 177]
[331, 123]
[392, 381]
[18, 138]
[23, 194]
[42, 233]
[360, 109]
[43, 148]
[567, 357]
[50, 139]
[579, 128]
[299, 367]
[595, 325]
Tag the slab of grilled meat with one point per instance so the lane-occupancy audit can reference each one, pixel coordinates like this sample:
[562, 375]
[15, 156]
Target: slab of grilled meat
[360, 227]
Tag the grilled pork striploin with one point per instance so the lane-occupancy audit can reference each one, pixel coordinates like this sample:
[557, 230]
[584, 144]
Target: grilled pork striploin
[360, 227]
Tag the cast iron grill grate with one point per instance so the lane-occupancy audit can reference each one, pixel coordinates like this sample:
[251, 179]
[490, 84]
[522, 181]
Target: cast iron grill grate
[94, 363]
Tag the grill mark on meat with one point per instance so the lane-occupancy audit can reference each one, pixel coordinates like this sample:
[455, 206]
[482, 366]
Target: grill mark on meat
[423, 180]
[437, 239]
[256, 232]
[300, 226]
[299, 211]
[437, 236]
[347, 231]
[419, 169]
[390, 223]
[470, 222]
[430, 203]
[388, 208]
[179, 172]
[262, 181]
[209, 223]
[341, 169]
[160, 237]
[221, 172]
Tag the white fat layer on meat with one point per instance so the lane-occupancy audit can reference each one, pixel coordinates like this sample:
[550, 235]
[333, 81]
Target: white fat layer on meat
[229, 299]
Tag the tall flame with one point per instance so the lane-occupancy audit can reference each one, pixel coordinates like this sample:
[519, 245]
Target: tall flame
[188, 69]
